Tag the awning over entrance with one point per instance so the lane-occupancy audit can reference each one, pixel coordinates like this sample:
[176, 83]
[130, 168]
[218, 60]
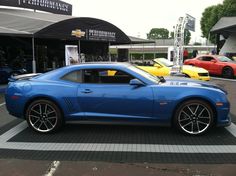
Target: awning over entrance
[43, 25]
[136, 40]
[225, 26]
[225, 29]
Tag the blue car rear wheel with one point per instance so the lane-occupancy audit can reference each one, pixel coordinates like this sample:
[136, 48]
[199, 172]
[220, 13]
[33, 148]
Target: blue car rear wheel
[44, 116]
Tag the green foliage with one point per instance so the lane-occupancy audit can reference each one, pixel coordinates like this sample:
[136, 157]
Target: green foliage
[172, 35]
[187, 37]
[212, 15]
[197, 44]
[229, 8]
[158, 33]
[209, 18]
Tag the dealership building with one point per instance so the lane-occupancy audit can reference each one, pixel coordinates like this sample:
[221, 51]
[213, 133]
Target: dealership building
[37, 40]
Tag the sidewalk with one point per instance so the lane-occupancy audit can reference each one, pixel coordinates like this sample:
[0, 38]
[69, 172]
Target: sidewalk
[38, 167]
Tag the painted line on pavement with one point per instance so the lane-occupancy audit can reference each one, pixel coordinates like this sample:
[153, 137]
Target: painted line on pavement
[224, 79]
[2, 104]
[53, 167]
[12, 132]
[104, 147]
[232, 129]
[112, 147]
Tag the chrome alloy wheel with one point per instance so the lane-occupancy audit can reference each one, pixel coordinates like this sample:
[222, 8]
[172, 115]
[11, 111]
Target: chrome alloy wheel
[42, 117]
[195, 118]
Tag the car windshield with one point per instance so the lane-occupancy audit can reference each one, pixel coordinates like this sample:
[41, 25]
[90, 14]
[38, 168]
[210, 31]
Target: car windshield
[144, 74]
[224, 59]
[164, 61]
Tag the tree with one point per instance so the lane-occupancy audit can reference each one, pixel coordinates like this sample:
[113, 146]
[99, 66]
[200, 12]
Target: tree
[229, 8]
[172, 35]
[197, 44]
[212, 15]
[158, 33]
[187, 37]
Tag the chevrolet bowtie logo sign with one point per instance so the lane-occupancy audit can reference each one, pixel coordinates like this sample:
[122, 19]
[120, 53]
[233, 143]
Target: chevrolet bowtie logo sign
[78, 33]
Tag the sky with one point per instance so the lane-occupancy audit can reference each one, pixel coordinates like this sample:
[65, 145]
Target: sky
[137, 17]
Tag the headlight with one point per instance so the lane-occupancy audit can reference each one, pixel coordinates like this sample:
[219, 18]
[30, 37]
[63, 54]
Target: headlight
[203, 74]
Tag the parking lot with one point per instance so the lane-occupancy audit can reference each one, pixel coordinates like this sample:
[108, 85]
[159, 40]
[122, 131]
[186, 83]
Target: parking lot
[118, 143]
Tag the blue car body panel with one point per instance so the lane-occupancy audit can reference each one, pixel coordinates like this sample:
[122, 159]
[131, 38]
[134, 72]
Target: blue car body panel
[155, 101]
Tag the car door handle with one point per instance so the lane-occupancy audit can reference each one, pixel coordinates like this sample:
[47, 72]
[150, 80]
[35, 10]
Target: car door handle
[86, 91]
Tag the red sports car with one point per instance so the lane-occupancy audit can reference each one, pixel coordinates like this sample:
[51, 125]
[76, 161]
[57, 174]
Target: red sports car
[216, 65]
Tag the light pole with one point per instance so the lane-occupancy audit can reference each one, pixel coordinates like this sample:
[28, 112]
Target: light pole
[78, 33]
[33, 58]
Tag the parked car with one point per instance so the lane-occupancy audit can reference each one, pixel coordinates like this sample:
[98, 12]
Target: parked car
[85, 92]
[215, 64]
[6, 72]
[162, 67]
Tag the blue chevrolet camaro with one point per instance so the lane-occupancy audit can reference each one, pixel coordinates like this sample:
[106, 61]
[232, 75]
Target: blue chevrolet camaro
[87, 92]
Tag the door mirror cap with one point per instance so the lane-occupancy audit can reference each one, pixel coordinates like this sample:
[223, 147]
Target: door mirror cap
[157, 65]
[213, 60]
[136, 82]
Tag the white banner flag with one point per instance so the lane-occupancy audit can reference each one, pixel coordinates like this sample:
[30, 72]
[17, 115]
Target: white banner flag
[71, 54]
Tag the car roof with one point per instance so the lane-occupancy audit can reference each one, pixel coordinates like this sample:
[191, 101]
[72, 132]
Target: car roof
[90, 65]
[209, 55]
[102, 63]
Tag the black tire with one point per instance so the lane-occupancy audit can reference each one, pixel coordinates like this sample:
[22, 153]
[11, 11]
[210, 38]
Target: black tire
[227, 72]
[44, 116]
[194, 117]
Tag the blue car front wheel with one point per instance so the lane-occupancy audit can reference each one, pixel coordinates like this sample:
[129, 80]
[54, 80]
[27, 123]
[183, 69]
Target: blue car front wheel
[44, 116]
[194, 117]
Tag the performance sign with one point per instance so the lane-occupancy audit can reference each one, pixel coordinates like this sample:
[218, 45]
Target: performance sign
[53, 6]
[101, 35]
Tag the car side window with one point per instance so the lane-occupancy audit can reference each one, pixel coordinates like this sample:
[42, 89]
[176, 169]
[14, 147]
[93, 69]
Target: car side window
[200, 58]
[74, 76]
[207, 58]
[106, 76]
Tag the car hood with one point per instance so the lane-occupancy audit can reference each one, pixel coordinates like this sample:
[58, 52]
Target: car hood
[231, 63]
[194, 69]
[180, 81]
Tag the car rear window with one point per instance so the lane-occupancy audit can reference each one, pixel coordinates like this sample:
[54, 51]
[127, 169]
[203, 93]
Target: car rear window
[75, 76]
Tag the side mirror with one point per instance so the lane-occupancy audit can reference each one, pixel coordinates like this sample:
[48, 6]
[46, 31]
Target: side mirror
[136, 82]
[213, 60]
[162, 79]
[157, 65]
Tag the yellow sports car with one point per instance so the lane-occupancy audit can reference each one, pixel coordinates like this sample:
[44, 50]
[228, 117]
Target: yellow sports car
[162, 67]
